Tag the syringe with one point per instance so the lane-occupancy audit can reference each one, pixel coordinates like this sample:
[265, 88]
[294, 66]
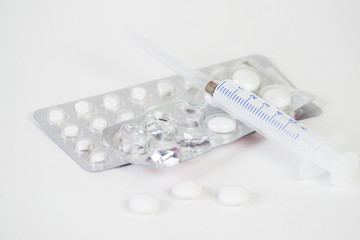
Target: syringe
[265, 119]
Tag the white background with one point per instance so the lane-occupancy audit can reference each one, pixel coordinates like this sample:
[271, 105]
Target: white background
[57, 51]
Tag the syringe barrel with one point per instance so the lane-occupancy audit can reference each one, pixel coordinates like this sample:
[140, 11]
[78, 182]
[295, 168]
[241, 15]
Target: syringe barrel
[265, 119]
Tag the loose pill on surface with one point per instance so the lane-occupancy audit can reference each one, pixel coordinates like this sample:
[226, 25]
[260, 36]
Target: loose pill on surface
[277, 97]
[138, 94]
[70, 131]
[98, 124]
[144, 204]
[98, 158]
[111, 102]
[247, 79]
[56, 116]
[82, 108]
[187, 189]
[165, 88]
[233, 195]
[221, 124]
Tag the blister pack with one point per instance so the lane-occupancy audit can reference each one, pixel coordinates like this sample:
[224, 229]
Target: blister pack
[161, 119]
[77, 126]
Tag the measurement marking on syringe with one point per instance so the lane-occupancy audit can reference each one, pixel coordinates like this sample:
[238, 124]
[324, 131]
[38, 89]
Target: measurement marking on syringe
[258, 111]
[235, 91]
[285, 126]
[273, 117]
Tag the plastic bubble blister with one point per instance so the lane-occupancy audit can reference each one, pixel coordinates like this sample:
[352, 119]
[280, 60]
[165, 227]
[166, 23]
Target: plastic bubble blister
[163, 122]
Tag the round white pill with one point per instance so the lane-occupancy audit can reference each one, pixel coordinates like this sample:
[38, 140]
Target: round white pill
[187, 189]
[111, 102]
[138, 94]
[71, 131]
[124, 115]
[233, 195]
[56, 116]
[98, 158]
[144, 204]
[84, 145]
[83, 108]
[247, 79]
[280, 98]
[221, 124]
[165, 88]
[98, 124]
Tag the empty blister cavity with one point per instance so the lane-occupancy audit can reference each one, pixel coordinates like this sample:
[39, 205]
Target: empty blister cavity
[132, 140]
[98, 159]
[124, 115]
[164, 156]
[165, 88]
[160, 126]
[70, 131]
[83, 108]
[84, 145]
[56, 116]
[189, 115]
[111, 102]
[138, 94]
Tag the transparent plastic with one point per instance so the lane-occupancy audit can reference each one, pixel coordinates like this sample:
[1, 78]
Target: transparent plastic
[279, 127]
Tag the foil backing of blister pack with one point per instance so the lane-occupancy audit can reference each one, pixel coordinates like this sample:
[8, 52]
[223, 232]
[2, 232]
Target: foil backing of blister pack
[77, 126]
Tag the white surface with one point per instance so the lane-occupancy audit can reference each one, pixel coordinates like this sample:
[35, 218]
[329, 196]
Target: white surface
[144, 204]
[186, 189]
[52, 52]
[233, 195]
